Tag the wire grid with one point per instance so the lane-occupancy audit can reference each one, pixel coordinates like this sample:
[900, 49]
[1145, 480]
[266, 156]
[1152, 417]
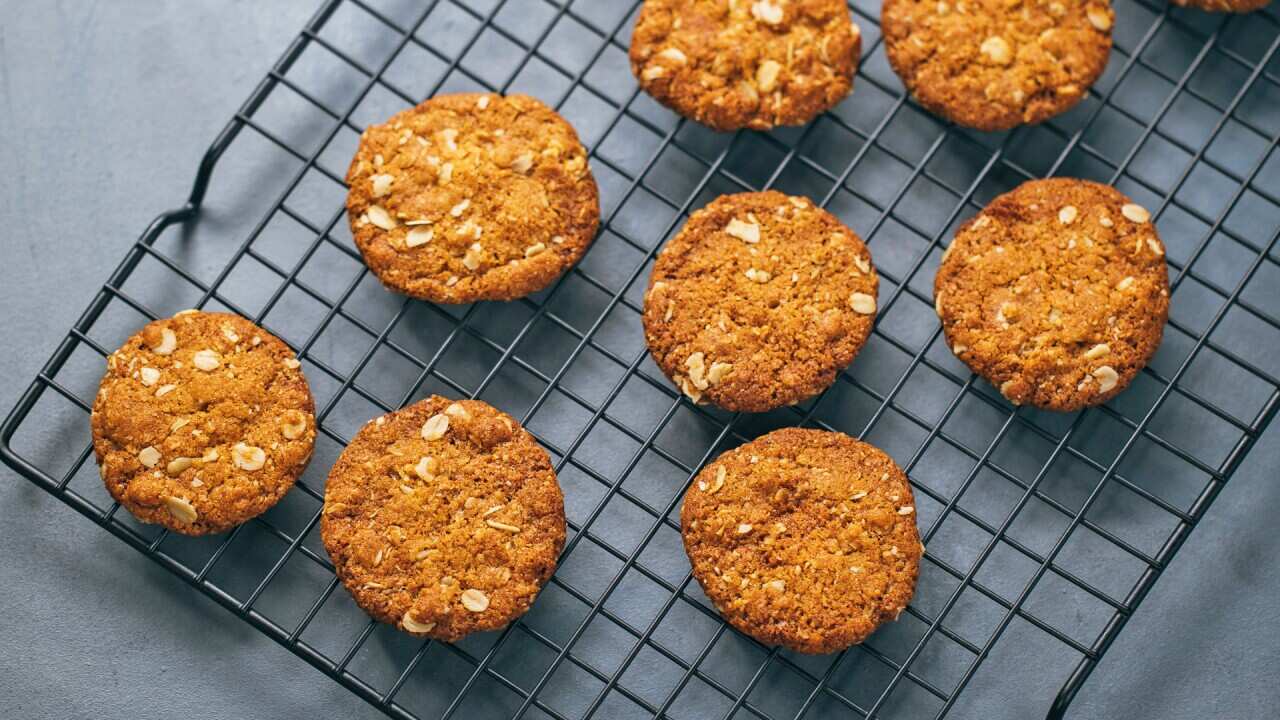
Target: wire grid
[1044, 532]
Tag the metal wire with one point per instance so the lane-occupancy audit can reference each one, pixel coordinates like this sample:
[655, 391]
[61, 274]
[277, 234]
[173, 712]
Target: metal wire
[909, 668]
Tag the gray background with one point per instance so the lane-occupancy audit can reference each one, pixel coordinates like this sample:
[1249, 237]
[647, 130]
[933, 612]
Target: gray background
[106, 108]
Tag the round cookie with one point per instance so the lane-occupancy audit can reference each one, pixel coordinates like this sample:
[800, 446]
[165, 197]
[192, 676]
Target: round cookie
[472, 197]
[444, 518]
[202, 421]
[1056, 293]
[759, 301]
[992, 64]
[1227, 6]
[803, 538]
[747, 64]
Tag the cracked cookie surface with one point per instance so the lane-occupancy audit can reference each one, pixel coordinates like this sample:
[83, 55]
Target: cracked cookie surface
[996, 64]
[757, 64]
[443, 518]
[1057, 293]
[759, 301]
[803, 538]
[473, 196]
[202, 421]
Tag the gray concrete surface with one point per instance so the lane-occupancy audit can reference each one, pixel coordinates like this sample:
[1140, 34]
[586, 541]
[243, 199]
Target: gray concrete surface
[105, 108]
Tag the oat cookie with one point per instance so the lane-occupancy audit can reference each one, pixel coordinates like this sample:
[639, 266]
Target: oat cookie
[472, 197]
[803, 538]
[755, 64]
[759, 301]
[1056, 293]
[1228, 6]
[995, 64]
[202, 421]
[444, 518]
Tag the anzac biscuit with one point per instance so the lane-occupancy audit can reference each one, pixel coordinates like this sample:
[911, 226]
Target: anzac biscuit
[202, 421]
[759, 301]
[803, 538]
[444, 518]
[995, 64]
[746, 63]
[1056, 293]
[472, 197]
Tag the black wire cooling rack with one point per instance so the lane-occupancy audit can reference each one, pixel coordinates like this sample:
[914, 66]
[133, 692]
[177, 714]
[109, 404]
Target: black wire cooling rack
[1044, 532]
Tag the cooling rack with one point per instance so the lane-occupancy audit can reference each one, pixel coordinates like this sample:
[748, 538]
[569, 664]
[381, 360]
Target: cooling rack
[1044, 532]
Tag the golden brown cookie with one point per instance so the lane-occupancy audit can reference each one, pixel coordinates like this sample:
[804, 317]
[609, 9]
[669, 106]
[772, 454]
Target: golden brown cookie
[746, 63]
[1227, 6]
[202, 421]
[995, 64]
[444, 518]
[803, 538]
[759, 301]
[1056, 293]
[472, 197]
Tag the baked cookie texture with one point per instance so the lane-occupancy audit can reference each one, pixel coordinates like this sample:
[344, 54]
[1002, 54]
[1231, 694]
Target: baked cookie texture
[1226, 6]
[803, 538]
[996, 64]
[444, 518]
[1057, 293]
[202, 421]
[472, 197]
[759, 301]
[746, 63]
